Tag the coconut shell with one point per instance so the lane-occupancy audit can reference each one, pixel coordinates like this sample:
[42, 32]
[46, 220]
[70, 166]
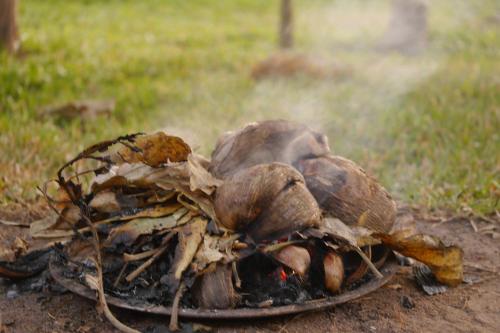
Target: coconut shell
[266, 201]
[343, 190]
[243, 196]
[265, 142]
[214, 290]
[334, 271]
[294, 209]
[295, 257]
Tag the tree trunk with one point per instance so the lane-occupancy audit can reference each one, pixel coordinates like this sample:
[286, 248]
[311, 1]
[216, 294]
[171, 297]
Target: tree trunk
[286, 24]
[9, 37]
[407, 31]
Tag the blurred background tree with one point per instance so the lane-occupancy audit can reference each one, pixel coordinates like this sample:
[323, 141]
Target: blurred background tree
[286, 24]
[9, 35]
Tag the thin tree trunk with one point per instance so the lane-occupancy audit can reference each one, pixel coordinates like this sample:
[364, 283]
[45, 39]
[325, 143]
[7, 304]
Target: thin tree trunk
[286, 24]
[9, 36]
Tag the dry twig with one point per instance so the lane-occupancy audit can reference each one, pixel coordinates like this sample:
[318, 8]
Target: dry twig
[148, 262]
[174, 323]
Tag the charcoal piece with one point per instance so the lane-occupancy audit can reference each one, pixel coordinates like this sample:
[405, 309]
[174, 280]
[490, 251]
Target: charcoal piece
[407, 302]
[427, 281]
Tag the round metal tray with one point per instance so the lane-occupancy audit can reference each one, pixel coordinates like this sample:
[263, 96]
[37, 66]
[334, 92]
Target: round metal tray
[389, 269]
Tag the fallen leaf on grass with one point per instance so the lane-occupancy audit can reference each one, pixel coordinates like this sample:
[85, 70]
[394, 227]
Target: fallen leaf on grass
[87, 109]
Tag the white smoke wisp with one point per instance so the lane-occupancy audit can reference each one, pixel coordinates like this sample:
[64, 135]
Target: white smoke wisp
[349, 110]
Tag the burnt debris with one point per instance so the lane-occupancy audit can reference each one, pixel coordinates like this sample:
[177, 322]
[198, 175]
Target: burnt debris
[273, 219]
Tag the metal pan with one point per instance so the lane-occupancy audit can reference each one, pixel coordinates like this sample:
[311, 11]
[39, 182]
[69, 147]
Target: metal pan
[389, 270]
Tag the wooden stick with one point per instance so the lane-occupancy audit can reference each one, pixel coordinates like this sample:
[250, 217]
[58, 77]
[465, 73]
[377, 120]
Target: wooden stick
[368, 262]
[174, 318]
[148, 262]
[100, 285]
[138, 256]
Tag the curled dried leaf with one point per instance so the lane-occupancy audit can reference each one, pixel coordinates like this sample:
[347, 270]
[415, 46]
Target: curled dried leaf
[444, 261]
[155, 150]
[210, 251]
[105, 202]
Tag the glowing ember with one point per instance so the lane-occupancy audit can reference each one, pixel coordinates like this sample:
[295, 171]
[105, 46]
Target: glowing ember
[283, 275]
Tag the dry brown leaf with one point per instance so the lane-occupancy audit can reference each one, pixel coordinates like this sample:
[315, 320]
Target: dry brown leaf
[199, 177]
[156, 149]
[208, 252]
[105, 202]
[46, 223]
[127, 233]
[190, 238]
[444, 261]
[190, 178]
[86, 109]
[151, 212]
[337, 229]
[356, 236]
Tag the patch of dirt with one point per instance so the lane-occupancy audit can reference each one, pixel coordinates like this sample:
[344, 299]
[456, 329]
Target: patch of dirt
[398, 307]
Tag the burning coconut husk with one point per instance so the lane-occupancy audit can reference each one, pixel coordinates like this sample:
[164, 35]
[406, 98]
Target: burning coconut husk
[273, 219]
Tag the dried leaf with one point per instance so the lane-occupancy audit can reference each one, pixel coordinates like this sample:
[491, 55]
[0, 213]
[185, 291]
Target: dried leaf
[190, 238]
[155, 150]
[87, 109]
[444, 261]
[355, 236]
[209, 252]
[199, 177]
[105, 202]
[15, 241]
[189, 178]
[336, 229]
[127, 233]
[46, 223]
[151, 212]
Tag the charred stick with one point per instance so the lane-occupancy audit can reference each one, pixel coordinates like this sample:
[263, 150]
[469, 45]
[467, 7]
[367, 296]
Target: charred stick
[138, 256]
[119, 277]
[100, 284]
[148, 262]
[237, 280]
[372, 267]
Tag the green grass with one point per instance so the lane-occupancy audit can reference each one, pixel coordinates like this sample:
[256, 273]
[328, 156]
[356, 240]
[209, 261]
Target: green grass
[426, 126]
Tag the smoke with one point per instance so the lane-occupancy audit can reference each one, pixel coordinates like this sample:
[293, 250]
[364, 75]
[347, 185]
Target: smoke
[350, 109]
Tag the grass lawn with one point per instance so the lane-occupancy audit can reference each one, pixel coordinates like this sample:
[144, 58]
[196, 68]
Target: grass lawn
[427, 126]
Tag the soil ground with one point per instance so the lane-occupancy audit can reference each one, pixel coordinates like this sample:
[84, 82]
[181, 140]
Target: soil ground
[468, 308]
